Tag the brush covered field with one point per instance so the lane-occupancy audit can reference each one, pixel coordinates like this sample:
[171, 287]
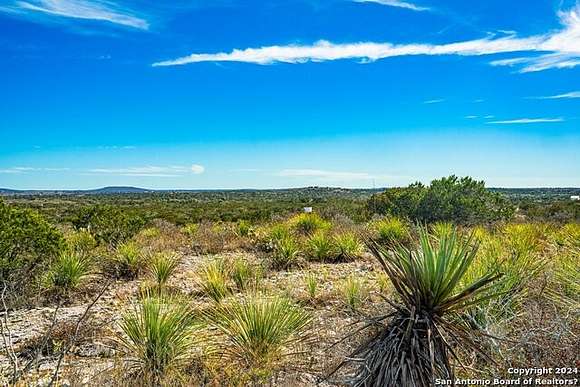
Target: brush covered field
[145, 290]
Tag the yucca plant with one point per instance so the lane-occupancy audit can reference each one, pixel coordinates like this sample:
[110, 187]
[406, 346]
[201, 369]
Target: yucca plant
[321, 247]
[214, 279]
[68, 271]
[348, 247]
[413, 343]
[392, 231]
[259, 332]
[157, 337]
[128, 260]
[285, 253]
[162, 266]
[307, 224]
[244, 274]
[565, 286]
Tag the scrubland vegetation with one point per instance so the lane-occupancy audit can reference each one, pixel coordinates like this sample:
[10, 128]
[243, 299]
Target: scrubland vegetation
[379, 289]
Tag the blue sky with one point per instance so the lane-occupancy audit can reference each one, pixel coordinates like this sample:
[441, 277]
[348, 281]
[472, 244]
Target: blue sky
[288, 93]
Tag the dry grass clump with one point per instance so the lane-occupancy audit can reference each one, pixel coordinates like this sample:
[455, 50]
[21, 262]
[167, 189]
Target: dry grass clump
[258, 333]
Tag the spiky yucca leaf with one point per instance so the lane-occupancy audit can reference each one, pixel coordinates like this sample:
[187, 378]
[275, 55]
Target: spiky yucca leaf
[157, 336]
[162, 267]
[214, 279]
[412, 346]
[68, 271]
[259, 331]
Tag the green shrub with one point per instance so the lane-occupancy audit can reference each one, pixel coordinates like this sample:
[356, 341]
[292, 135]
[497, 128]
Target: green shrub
[128, 260]
[81, 243]
[162, 266]
[108, 224]
[320, 247]
[278, 232]
[150, 233]
[158, 337]
[214, 279]
[259, 332]
[449, 199]
[348, 246]
[243, 228]
[392, 231]
[27, 246]
[67, 272]
[190, 229]
[307, 224]
[285, 253]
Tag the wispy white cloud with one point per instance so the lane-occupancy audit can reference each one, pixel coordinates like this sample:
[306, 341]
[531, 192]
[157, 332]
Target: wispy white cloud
[150, 171]
[21, 170]
[471, 117]
[528, 121]
[570, 95]
[99, 10]
[555, 49]
[432, 101]
[396, 3]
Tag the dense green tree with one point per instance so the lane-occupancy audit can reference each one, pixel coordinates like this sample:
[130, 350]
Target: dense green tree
[449, 199]
[108, 224]
[28, 243]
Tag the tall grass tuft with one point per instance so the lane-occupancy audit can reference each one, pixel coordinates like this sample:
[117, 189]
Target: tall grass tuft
[67, 272]
[162, 266]
[259, 332]
[441, 229]
[320, 247]
[308, 224]
[190, 229]
[158, 335]
[413, 347]
[354, 292]
[214, 279]
[311, 282]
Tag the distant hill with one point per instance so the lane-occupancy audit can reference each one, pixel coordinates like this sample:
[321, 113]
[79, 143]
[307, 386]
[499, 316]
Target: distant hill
[98, 191]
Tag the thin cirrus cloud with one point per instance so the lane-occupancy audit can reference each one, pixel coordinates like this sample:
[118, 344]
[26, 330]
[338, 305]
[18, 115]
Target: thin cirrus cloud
[23, 170]
[150, 171]
[527, 121]
[98, 10]
[570, 95]
[396, 3]
[432, 101]
[554, 49]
